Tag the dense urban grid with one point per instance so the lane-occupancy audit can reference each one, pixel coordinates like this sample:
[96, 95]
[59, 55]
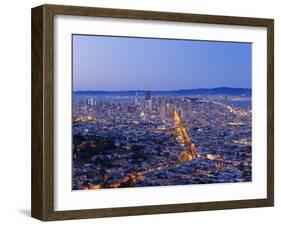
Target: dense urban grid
[147, 139]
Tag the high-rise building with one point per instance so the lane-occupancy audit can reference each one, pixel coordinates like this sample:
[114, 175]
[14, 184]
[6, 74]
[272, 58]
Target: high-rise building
[148, 102]
[142, 114]
[170, 109]
[92, 101]
[163, 108]
[147, 96]
[149, 105]
[136, 99]
[180, 112]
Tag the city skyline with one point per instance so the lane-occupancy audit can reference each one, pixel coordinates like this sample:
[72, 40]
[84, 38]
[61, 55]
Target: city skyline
[159, 141]
[105, 63]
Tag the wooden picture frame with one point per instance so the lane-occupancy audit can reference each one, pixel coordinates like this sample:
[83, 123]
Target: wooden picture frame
[43, 108]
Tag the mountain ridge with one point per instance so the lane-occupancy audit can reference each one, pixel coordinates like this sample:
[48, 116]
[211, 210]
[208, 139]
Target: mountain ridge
[198, 91]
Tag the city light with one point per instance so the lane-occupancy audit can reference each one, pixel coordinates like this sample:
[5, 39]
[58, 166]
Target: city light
[149, 140]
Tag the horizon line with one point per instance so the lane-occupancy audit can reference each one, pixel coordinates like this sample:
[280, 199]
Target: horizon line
[150, 90]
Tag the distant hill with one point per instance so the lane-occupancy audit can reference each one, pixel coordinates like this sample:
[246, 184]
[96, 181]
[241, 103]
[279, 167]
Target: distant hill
[181, 92]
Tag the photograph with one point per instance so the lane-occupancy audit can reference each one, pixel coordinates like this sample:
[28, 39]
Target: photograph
[140, 112]
[160, 112]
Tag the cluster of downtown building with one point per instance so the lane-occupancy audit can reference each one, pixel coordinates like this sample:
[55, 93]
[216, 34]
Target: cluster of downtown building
[131, 141]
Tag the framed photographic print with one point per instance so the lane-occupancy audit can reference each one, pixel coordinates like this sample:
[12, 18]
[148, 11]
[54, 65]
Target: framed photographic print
[141, 112]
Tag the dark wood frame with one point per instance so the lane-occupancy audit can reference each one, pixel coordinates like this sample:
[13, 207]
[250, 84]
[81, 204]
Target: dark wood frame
[42, 203]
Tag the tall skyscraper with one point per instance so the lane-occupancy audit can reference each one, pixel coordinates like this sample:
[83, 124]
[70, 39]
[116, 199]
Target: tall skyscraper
[147, 96]
[136, 99]
[92, 101]
[150, 105]
[163, 108]
[148, 102]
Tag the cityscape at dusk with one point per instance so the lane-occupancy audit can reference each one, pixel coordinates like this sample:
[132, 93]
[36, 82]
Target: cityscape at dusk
[159, 112]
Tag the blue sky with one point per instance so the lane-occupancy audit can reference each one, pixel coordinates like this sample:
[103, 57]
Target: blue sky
[120, 63]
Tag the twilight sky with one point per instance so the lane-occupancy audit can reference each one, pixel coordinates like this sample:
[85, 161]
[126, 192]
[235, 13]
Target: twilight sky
[119, 63]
